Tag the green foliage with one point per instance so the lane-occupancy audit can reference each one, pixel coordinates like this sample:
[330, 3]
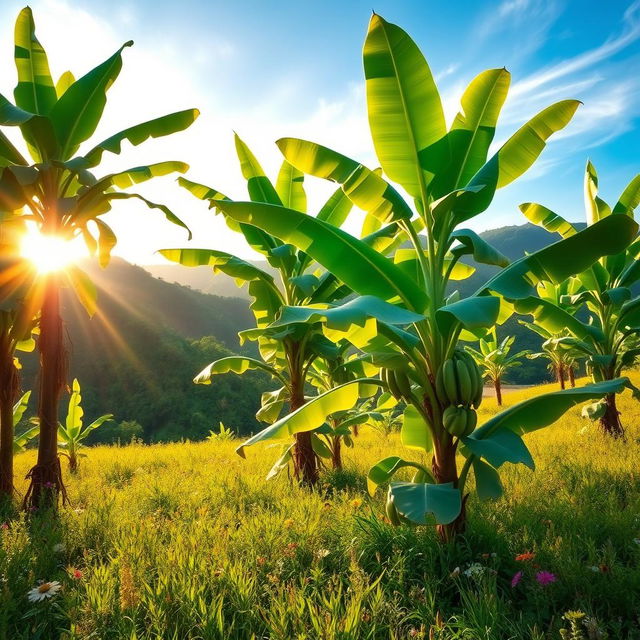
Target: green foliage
[284, 562]
[451, 178]
[73, 433]
[606, 335]
[223, 433]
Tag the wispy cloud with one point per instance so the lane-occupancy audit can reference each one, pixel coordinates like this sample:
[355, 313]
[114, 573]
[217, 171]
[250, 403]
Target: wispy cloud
[630, 33]
[532, 19]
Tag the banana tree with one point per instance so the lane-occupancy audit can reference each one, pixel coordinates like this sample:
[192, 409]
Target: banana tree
[326, 374]
[495, 359]
[562, 358]
[18, 310]
[72, 434]
[288, 345]
[64, 199]
[450, 179]
[608, 336]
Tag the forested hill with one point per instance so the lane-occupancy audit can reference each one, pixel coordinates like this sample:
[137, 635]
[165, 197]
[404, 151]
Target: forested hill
[512, 241]
[137, 356]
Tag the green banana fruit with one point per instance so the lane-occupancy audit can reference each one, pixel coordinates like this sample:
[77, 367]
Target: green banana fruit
[459, 421]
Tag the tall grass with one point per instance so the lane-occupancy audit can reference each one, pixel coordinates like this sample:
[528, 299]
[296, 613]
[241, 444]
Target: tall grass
[182, 541]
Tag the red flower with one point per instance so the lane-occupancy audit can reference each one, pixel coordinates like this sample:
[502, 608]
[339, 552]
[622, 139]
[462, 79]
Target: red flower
[76, 574]
[525, 557]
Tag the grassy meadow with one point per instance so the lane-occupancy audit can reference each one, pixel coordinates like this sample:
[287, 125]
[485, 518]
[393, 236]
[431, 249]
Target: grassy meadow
[180, 541]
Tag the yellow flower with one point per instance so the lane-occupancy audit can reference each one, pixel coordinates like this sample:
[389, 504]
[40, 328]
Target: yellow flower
[356, 503]
[288, 523]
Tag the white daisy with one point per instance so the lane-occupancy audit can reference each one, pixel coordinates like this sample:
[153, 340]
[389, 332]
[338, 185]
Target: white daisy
[44, 591]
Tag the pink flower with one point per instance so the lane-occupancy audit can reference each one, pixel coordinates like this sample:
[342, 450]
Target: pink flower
[77, 574]
[545, 578]
[4, 526]
[516, 579]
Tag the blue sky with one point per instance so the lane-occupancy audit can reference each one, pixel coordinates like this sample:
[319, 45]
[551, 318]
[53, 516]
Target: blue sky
[268, 69]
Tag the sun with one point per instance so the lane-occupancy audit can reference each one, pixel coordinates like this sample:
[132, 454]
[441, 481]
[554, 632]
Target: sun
[49, 253]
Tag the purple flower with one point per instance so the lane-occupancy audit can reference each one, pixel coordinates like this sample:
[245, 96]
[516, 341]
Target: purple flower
[516, 579]
[545, 578]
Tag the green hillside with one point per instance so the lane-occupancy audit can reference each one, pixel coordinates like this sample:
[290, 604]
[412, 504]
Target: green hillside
[171, 327]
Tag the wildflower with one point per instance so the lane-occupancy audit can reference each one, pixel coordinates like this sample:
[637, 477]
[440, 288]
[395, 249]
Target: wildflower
[545, 578]
[261, 560]
[475, 570]
[76, 574]
[288, 523]
[322, 553]
[595, 569]
[525, 557]
[455, 573]
[49, 485]
[356, 503]
[516, 579]
[44, 591]
[4, 526]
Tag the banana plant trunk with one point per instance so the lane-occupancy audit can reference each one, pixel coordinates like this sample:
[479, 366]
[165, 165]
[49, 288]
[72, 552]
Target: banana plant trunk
[572, 377]
[610, 421]
[445, 469]
[46, 476]
[497, 385]
[9, 390]
[305, 460]
[560, 375]
[336, 452]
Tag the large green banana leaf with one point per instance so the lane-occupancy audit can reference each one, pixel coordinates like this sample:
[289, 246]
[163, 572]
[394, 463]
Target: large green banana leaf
[547, 219]
[515, 156]
[311, 415]
[473, 129]
[233, 364]
[290, 187]
[76, 115]
[342, 317]
[35, 91]
[538, 412]
[405, 112]
[563, 259]
[156, 128]
[352, 261]
[364, 187]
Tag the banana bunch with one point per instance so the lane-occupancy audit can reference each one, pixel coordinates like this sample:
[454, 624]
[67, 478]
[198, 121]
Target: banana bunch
[459, 421]
[397, 382]
[459, 381]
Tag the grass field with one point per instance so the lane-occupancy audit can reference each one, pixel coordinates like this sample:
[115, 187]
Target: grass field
[187, 540]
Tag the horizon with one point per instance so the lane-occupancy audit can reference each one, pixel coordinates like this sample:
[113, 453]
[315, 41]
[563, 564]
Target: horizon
[551, 48]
